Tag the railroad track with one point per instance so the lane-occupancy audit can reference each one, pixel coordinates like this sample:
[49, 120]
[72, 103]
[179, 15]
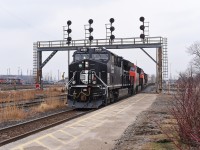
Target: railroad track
[21, 104]
[30, 103]
[19, 131]
[16, 132]
[8, 87]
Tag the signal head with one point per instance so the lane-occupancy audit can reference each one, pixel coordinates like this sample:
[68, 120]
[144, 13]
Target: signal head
[112, 28]
[90, 21]
[69, 39]
[142, 36]
[90, 29]
[142, 19]
[69, 22]
[69, 31]
[112, 37]
[91, 38]
[112, 20]
[142, 27]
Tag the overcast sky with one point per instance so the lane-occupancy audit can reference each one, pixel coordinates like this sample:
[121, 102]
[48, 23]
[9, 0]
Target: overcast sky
[23, 22]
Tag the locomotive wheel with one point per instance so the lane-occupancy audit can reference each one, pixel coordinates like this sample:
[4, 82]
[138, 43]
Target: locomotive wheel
[105, 101]
[136, 91]
[112, 97]
[116, 95]
[132, 90]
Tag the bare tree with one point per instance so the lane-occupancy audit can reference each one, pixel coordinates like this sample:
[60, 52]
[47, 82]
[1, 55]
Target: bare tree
[186, 109]
[194, 50]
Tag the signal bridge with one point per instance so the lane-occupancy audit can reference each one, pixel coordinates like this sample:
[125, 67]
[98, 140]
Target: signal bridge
[67, 44]
[118, 43]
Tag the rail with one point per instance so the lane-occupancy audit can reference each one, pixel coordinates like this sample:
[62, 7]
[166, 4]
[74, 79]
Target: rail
[99, 42]
[32, 102]
[22, 130]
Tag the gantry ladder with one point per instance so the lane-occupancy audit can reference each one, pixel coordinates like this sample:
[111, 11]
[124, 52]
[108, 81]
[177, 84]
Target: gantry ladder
[108, 33]
[35, 61]
[165, 60]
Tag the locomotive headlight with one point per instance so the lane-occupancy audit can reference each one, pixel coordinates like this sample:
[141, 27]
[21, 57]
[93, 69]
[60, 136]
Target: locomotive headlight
[86, 64]
[94, 82]
[84, 90]
[74, 82]
[80, 65]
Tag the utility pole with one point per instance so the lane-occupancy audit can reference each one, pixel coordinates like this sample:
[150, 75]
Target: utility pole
[58, 75]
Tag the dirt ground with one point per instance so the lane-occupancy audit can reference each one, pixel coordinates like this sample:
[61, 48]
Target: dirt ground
[152, 129]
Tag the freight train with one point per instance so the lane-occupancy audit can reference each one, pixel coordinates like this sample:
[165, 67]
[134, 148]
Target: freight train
[98, 77]
[13, 81]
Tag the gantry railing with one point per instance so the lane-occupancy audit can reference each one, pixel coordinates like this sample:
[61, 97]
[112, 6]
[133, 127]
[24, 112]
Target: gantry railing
[118, 43]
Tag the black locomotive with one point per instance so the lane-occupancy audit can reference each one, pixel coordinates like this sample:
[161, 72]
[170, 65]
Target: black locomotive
[98, 77]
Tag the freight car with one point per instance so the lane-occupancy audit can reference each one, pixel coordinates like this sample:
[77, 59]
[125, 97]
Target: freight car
[13, 81]
[98, 77]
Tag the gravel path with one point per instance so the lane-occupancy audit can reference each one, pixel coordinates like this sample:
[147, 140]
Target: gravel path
[145, 133]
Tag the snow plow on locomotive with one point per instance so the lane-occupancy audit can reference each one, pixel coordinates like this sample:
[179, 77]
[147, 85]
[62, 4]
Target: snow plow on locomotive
[98, 77]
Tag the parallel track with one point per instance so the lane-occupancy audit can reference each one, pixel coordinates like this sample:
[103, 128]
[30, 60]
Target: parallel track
[29, 103]
[16, 132]
[19, 131]
[8, 87]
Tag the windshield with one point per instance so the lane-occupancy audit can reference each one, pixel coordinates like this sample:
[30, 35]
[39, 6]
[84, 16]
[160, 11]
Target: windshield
[100, 56]
[78, 57]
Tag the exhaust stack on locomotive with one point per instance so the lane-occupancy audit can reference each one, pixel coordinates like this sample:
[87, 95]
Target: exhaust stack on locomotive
[98, 77]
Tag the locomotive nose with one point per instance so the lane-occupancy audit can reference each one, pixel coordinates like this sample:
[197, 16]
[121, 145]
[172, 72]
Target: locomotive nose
[87, 77]
[84, 76]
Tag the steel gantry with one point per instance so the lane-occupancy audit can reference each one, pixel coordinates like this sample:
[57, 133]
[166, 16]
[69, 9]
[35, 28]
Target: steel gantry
[119, 43]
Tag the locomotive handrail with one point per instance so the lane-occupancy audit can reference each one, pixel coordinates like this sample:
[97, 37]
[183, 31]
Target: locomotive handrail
[70, 81]
[106, 86]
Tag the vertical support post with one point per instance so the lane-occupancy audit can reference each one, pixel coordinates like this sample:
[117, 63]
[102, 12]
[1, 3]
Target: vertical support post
[68, 62]
[160, 69]
[156, 84]
[39, 69]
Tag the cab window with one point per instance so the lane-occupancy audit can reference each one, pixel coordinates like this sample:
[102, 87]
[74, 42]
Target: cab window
[99, 56]
[112, 58]
[78, 57]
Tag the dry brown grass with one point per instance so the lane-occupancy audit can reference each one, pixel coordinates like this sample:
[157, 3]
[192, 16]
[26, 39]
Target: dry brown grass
[167, 139]
[12, 113]
[7, 96]
[49, 104]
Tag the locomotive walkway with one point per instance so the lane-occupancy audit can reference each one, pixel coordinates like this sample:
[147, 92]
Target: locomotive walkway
[98, 130]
